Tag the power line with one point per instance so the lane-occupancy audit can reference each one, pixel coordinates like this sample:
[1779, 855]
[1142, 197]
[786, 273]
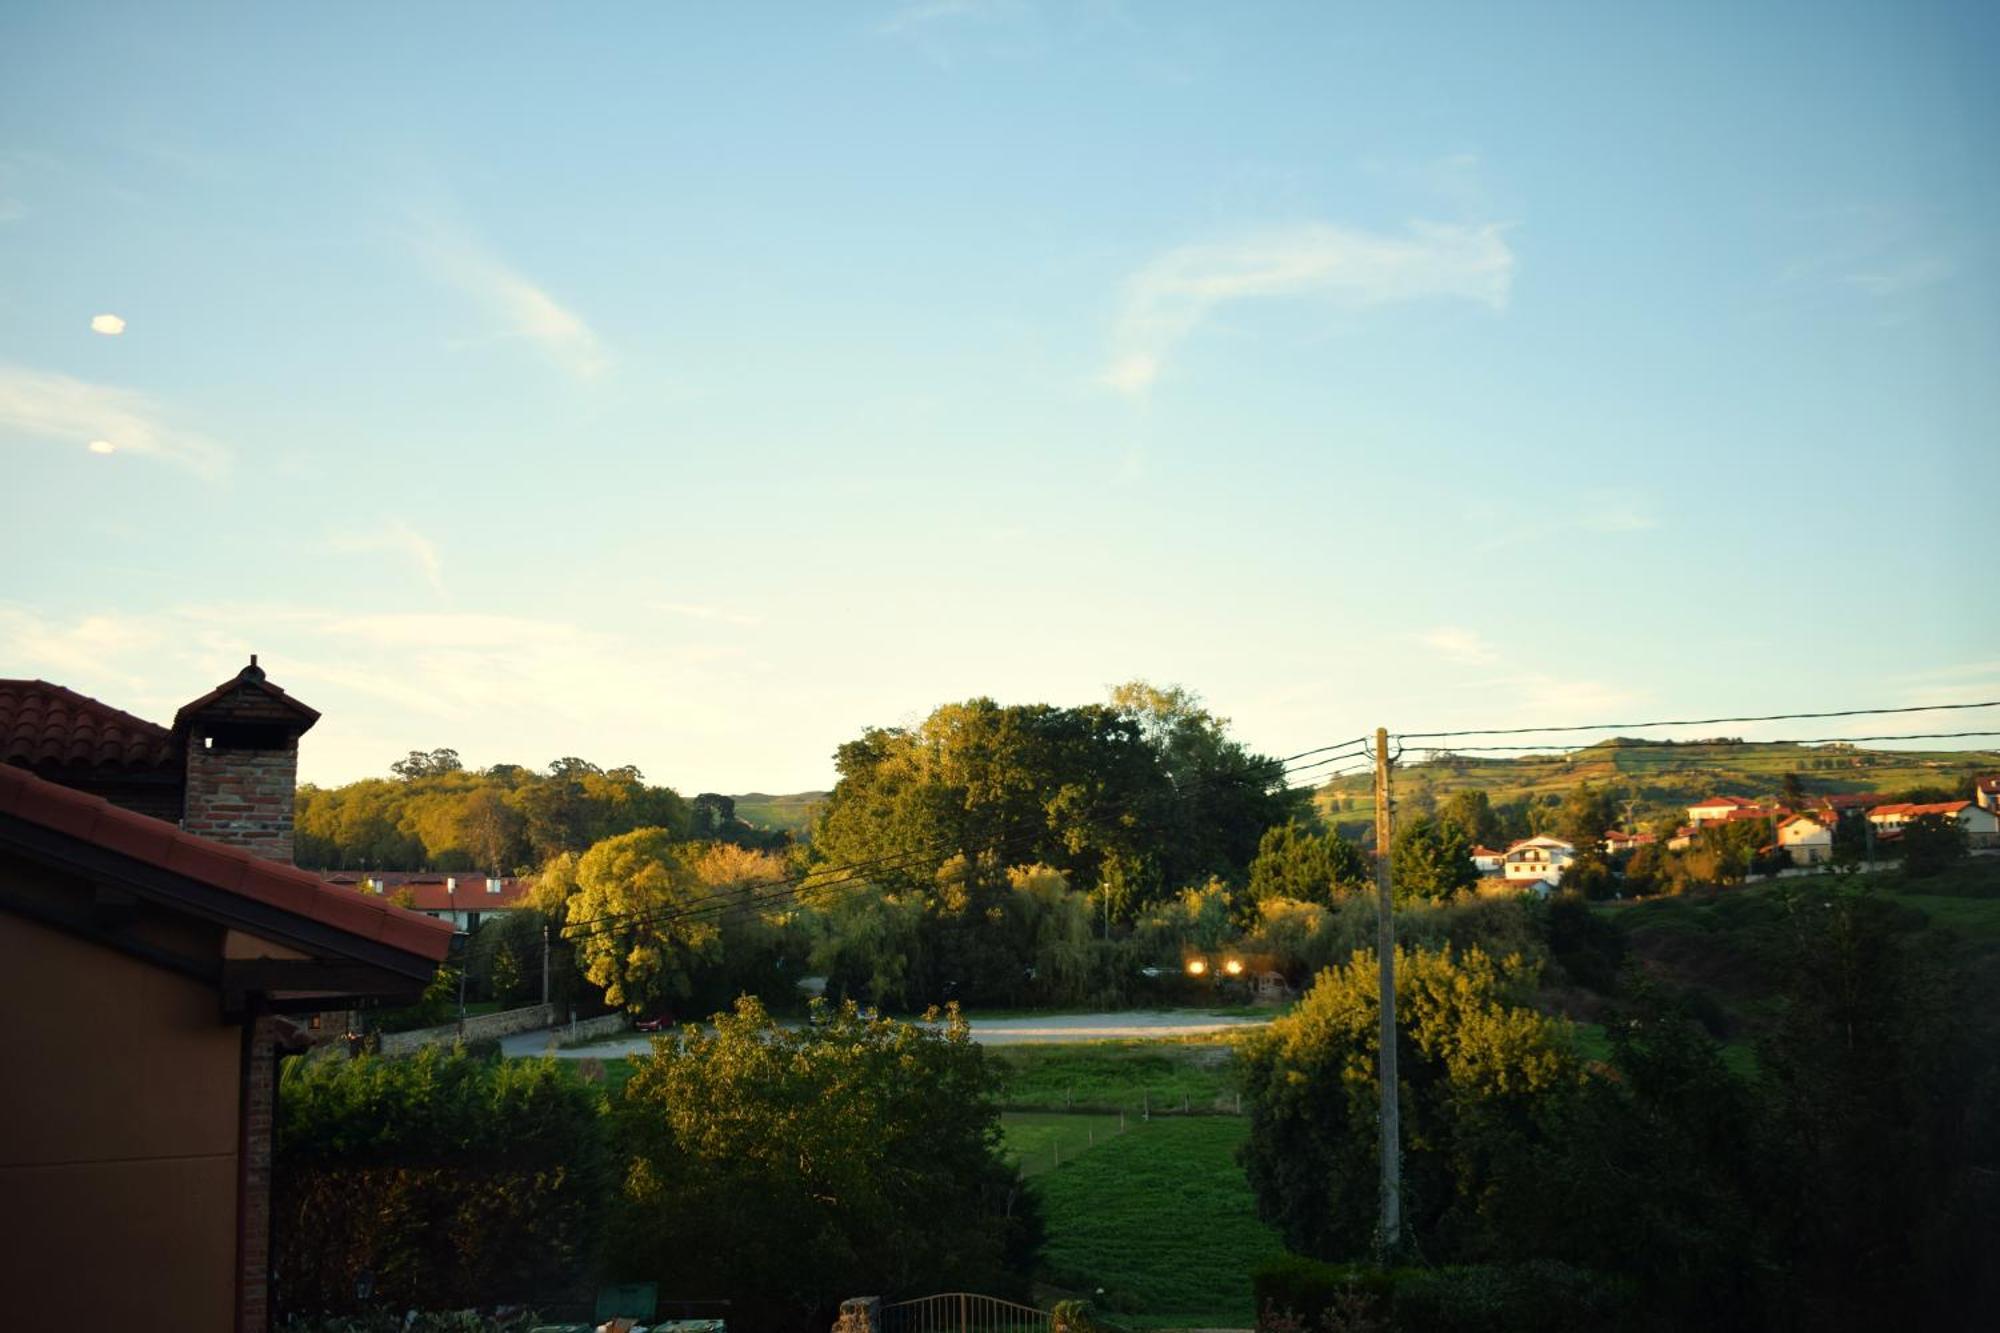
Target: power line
[1671, 746]
[1692, 722]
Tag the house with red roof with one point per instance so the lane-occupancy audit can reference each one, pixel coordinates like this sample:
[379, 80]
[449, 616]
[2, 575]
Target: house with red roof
[1808, 838]
[1981, 826]
[465, 900]
[1717, 809]
[1986, 792]
[154, 939]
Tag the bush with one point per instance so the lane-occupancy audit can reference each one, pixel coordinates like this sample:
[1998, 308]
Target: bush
[1486, 1298]
[452, 1181]
[1296, 1292]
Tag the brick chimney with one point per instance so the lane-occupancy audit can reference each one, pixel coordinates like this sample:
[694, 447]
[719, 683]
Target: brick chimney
[242, 745]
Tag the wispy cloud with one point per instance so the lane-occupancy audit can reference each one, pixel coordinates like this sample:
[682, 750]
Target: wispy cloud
[524, 309]
[55, 408]
[1459, 645]
[399, 537]
[1169, 299]
[109, 325]
[694, 611]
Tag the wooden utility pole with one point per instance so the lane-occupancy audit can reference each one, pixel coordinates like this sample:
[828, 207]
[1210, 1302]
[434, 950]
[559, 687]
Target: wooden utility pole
[1385, 953]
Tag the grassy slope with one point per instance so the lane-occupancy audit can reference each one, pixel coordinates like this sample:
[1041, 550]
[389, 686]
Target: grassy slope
[1662, 777]
[1161, 1219]
[792, 813]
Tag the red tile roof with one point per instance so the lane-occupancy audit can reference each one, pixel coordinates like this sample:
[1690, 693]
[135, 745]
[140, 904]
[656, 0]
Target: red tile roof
[1909, 811]
[1717, 801]
[154, 842]
[47, 726]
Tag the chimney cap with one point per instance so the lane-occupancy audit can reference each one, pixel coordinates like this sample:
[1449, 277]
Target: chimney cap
[248, 699]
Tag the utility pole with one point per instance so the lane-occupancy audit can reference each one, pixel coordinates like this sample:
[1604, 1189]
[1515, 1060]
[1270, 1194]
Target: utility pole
[1385, 953]
[545, 964]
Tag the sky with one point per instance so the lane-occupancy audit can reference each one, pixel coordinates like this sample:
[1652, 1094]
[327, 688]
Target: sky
[694, 386]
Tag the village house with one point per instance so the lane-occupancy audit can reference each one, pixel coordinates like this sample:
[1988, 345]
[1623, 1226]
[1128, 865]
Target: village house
[1981, 826]
[153, 936]
[463, 900]
[1534, 861]
[1487, 860]
[1986, 793]
[1618, 842]
[1716, 809]
[1807, 839]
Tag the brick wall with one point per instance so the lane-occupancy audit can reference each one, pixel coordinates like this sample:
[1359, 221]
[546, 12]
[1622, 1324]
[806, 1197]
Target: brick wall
[243, 797]
[254, 1163]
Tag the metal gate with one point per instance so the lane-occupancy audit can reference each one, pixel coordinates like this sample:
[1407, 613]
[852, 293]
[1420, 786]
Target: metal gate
[963, 1312]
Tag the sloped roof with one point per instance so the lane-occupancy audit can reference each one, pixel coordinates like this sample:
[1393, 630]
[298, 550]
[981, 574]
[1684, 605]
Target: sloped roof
[1714, 802]
[46, 726]
[1909, 811]
[431, 890]
[163, 846]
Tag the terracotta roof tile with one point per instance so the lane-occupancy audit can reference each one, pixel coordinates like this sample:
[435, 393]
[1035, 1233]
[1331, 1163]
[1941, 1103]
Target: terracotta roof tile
[46, 726]
[94, 820]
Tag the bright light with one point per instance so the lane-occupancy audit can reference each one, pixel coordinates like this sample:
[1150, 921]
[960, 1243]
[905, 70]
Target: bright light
[1197, 966]
[1234, 967]
[103, 447]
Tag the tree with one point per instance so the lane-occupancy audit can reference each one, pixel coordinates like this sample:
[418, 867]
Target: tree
[1477, 1067]
[426, 764]
[490, 830]
[1431, 860]
[785, 1169]
[638, 921]
[1932, 844]
[1473, 814]
[1294, 862]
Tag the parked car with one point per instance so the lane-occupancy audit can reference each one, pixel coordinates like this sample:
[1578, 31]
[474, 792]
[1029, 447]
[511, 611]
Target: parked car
[657, 1023]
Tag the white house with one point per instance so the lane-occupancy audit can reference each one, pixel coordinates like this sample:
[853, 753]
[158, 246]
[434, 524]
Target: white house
[1807, 840]
[1986, 792]
[1487, 861]
[1982, 827]
[1537, 861]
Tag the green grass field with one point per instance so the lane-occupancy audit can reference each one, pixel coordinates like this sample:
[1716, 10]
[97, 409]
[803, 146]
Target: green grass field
[1132, 1076]
[792, 813]
[1161, 1219]
[1043, 1141]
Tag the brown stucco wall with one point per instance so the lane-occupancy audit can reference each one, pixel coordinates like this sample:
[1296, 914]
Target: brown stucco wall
[118, 1134]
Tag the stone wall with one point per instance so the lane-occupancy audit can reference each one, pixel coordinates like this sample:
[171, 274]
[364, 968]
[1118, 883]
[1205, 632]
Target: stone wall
[480, 1027]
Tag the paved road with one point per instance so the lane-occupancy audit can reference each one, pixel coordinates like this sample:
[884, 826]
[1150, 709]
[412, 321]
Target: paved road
[987, 1031]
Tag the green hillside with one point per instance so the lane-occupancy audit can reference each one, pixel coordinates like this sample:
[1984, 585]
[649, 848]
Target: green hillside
[1658, 776]
[791, 813]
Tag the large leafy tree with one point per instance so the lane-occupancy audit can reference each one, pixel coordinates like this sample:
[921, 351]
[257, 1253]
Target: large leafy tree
[786, 1169]
[1134, 798]
[1475, 1064]
[639, 918]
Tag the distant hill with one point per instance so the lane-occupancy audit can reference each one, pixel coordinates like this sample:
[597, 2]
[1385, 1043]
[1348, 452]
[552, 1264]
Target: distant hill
[791, 813]
[1657, 776]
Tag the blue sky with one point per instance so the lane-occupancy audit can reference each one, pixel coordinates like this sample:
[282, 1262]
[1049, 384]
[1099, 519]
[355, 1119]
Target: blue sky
[695, 385]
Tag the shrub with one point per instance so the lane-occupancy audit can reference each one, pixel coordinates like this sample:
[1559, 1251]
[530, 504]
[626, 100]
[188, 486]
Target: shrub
[451, 1180]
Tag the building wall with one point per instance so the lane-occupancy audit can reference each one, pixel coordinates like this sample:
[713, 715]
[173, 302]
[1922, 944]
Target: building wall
[118, 1175]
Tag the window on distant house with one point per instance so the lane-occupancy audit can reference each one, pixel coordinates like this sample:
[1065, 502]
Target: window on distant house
[492, 884]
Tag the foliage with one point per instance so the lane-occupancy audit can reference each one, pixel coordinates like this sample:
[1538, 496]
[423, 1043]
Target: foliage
[628, 920]
[1430, 860]
[1472, 1060]
[437, 815]
[786, 1169]
[1932, 844]
[1294, 862]
[1131, 799]
[453, 1181]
